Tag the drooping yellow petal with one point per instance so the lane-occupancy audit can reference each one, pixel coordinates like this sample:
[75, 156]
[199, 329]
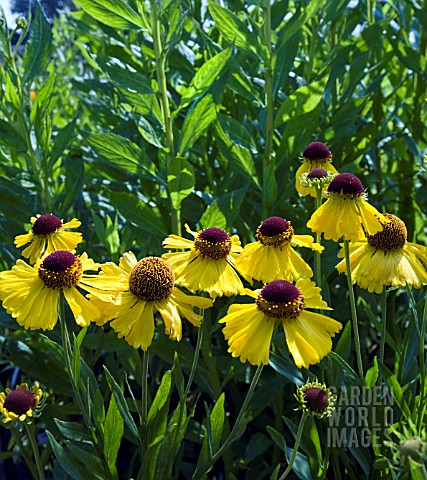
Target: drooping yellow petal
[309, 337]
[169, 313]
[311, 294]
[22, 240]
[249, 333]
[141, 331]
[306, 241]
[83, 310]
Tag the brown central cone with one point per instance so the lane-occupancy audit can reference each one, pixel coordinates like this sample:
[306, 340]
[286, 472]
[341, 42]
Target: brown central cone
[151, 279]
[280, 299]
[393, 235]
[214, 243]
[61, 269]
[19, 401]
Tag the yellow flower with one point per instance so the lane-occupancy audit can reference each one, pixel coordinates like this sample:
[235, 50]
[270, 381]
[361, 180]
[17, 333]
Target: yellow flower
[346, 213]
[47, 235]
[31, 294]
[145, 287]
[272, 256]
[387, 259]
[20, 403]
[208, 263]
[316, 155]
[249, 327]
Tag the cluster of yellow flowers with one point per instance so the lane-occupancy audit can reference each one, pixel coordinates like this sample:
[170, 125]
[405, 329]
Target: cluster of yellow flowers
[128, 294]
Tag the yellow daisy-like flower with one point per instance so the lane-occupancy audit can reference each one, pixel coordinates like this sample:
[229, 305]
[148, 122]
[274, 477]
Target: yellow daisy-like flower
[387, 259]
[31, 294]
[249, 328]
[20, 403]
[315, 156]
[272, 256]
[346, 213]
[145, 287]
[47, 235]
[208, 263]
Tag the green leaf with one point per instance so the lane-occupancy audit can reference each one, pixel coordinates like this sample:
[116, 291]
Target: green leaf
[181, 180]
[205, 76]
[196, 122]
[222, 212]
[178, 376]
[67, 462]
[372, 374]
[75, 362]
[38, 50]
[216, 422]
[124, 76]
[148, 132]
[295, 25]
[60, 142]
[237, 133]
[230, 26]
[303, 100]
[138, 213]
[73, 431]
[114, 13]
[11, 137]
[277, 438]
[122, 404]
[160, 399]
[113, 433]
[123, 153]
[350, 372]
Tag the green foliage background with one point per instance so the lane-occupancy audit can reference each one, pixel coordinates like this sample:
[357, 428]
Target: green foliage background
[246, 87]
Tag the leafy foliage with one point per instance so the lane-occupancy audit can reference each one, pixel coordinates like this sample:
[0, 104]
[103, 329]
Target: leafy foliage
[137, 117]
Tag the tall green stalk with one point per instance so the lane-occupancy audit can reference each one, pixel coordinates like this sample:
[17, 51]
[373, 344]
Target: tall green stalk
[383, 322]
[269, 114]
[66, 346]
[160, 56]
[32, 438]
[317, 259]
[422, 361]
[296, 446]
[353, 311]
[235, 430]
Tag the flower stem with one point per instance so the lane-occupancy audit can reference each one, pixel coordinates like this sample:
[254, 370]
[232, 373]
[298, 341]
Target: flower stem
[232, 437]
[383, 322]
[318, 265]
[23, 451]
[296, 445]
[421, 409]
[269, 114]
[66, 346]
[144, 396]
[160, 57]
[353, 311]
[30, 434]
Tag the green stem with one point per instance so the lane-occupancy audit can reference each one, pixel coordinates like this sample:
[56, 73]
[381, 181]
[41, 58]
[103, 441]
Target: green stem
[23, 452]
[144, 396]
[195, 361]
[66, 346]
[32, 439]
[318, 264]
[269, 114]
[383, 322]
[421, 409]
[236, 428]
[163, 88]
[297, 442]
[353, 311]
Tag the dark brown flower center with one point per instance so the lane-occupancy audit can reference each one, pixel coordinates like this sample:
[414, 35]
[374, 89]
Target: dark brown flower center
[346, 184]
[19, 401]
[61, 269]
[280, 299]
[274, 231]
[392, 236]
[213, 243]
[317, 173]
[317, 151]
[46, 224]
[151, 279]
[316, 399]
